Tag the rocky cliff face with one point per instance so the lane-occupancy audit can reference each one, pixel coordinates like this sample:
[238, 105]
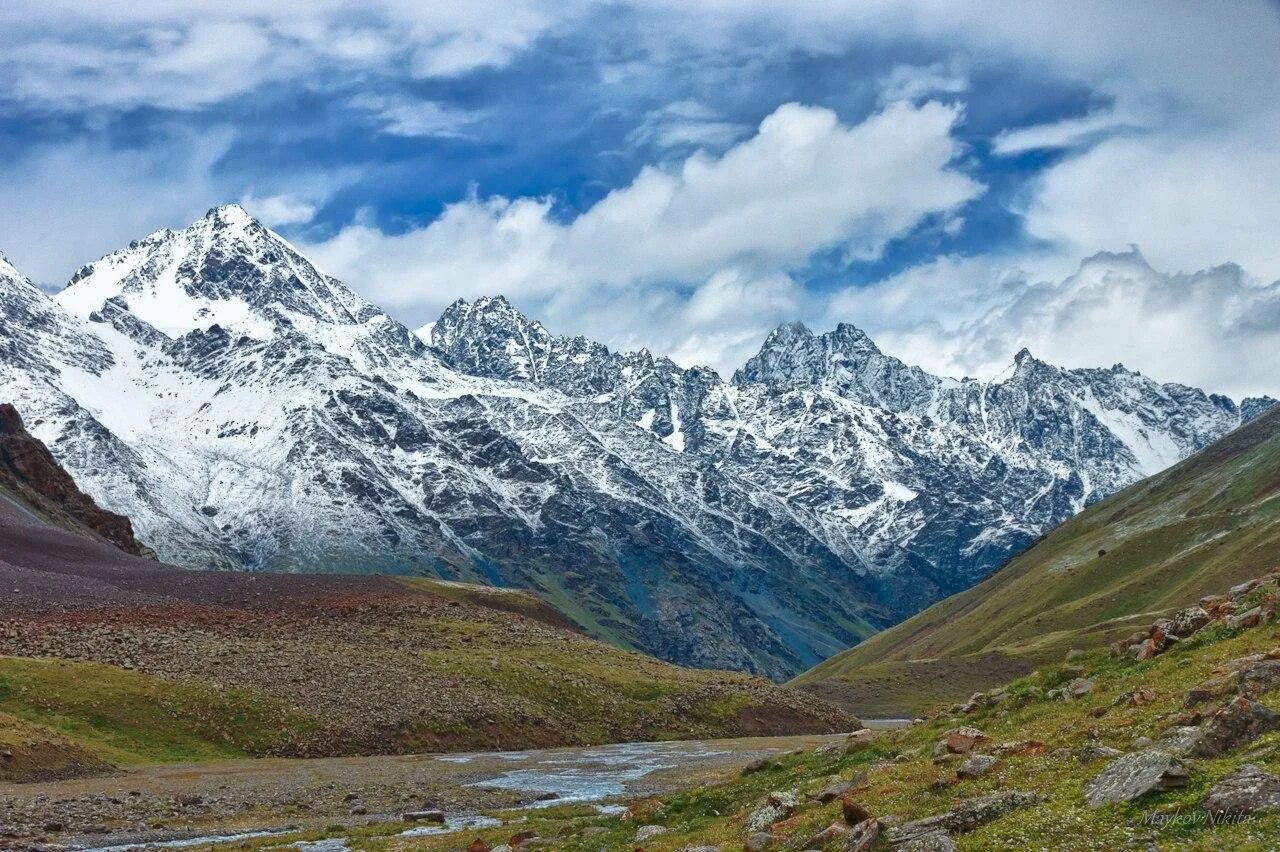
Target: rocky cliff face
[29, 472]
[250, 412]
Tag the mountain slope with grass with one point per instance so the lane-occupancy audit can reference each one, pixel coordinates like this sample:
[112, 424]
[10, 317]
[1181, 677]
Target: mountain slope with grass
[1201, 526]
[112, 659]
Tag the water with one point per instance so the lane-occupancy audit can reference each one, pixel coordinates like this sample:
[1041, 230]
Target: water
[590, 775]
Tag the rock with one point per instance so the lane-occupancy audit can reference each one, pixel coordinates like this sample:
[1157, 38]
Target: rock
[776, 807]
[1080, 687]
[934, 841]
[424, 816]
[964, 816]
[758, 842]
[1134, 775]
[853, 811]
[840, 787]
[964, 740]
[1210, 689]
[863, 836]
[1139, 697]
[1181, 739]
[646, 833]
[859, 740]
[1247, 790]
[1022, 747]
[1236, 592]
[1246, 619]
[1240, 722]
[755, 766]
[478, 845]
[828, 835]
[974, 765]
[1074, 654]
[1257, 678]
[1187, 621]
[1092, 751]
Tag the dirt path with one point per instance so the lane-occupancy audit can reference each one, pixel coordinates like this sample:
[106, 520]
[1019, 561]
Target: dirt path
[181, 800]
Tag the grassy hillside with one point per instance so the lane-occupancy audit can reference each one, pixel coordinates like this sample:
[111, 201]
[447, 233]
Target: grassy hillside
[1201, 526]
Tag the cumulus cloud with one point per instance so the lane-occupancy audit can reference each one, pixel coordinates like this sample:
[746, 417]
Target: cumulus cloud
[803, 183]
[1190, 203]
[276, 211]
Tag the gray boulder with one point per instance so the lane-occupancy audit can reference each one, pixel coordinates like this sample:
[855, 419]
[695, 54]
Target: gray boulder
[646, 833]
[975, 764]
[1134, 775]
[934, 841]
[965, 816]
[1247, 790]
[1240, 722]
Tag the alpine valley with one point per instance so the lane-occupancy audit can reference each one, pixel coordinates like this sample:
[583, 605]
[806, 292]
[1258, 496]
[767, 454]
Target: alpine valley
[249, 412]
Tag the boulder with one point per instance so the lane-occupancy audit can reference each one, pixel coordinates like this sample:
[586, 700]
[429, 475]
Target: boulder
[1247, 790]
[853, 811]
[1181, 739]
[840, 787]
[1093, 750]
[1257, 678]
[776, 807]
[757, 765]
[1243, 620]
[828, 835]
[1136, 774]
[1210, 689]
[975, 764]
[758, 842]
[646, 833]
[1079, 687]
[1240, 722]
[964, 816]
[859, 740]
[1187, 621]
[934, 841]
[964, 740]
[863, 836]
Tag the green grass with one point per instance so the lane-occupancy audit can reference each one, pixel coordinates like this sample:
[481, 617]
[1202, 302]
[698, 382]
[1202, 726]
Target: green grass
[128, 718]
[1196, 529]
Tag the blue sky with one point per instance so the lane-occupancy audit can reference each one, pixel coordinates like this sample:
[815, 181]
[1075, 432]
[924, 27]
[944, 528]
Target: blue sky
[684, 176]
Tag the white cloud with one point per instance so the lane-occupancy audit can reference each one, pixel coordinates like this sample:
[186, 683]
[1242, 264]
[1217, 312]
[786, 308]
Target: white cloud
[1217, 329]
[1190, 203]
[403, 116]
[686, 124]
[913, 82]
[276, 211]
[1066, 133]
[736, 223]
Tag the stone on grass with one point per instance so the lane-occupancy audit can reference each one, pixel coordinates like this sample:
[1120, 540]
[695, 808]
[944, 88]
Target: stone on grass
[758, 842]
[863, 836]
[934, 841]
[840, 787]
[1181, 739]
[1210, 689]
[964, 740]
[1092, 751]
[975, 764]
[1257, 678]
[1243, 620]
[828, 835]
[647, 832]
[965, 815]
[1080, 687]
[859, 740]
[1240, 722]
[776, 807]
[1247, 790]
[1134, 775]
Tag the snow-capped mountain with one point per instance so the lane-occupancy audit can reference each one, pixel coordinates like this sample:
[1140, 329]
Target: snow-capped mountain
[248, 411]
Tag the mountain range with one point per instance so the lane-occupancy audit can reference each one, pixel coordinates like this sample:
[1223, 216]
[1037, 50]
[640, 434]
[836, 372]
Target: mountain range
[247, 411]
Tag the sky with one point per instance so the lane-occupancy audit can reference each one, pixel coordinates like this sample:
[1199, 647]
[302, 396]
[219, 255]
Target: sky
[1094, 180]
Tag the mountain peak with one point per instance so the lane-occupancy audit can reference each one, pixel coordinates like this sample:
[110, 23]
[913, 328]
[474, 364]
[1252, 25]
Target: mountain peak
[225, 268]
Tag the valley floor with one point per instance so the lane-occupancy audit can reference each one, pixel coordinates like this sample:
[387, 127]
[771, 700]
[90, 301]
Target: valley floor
[165, 802]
